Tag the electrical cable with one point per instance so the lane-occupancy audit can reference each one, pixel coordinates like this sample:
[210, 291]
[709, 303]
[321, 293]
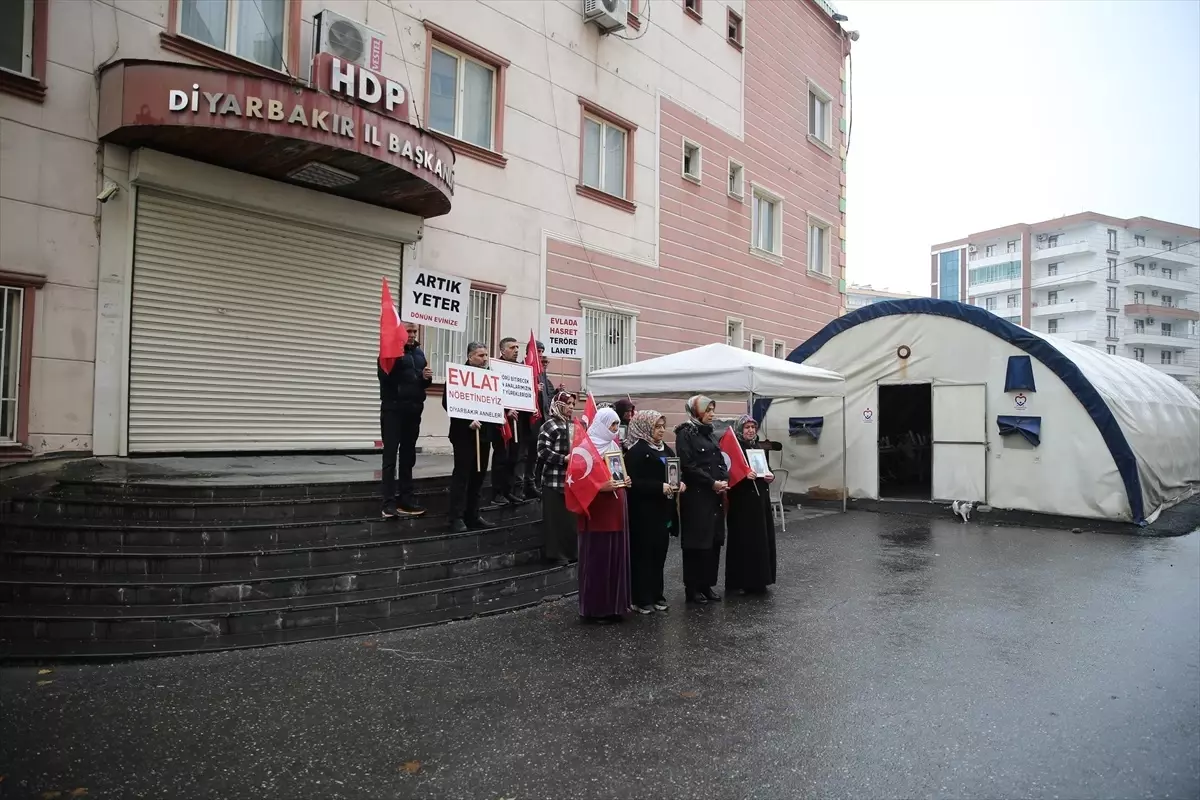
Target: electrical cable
[404, 61]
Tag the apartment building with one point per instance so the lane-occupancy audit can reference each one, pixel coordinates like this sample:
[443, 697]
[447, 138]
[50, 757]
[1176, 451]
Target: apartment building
[1130, 287]
[198, 199]
[858, 296]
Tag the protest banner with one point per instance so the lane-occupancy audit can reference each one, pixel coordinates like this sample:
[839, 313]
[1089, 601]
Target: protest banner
[433, 299]
[563, 336]
[516, 384]
[473, 393]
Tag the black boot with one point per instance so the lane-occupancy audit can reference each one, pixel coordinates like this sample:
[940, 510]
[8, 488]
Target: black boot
[698, 598]
[531, 492]
[479, 524]
[711, 595]
[458, 526]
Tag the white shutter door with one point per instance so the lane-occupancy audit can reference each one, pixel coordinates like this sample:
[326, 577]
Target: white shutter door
[250, 332]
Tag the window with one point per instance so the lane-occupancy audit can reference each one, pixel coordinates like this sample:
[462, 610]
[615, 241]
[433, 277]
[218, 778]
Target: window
[1052, 241]
[23, 34]
[1111, 349]
[1165, 329]
[737, 180]
[250, 29]
[1011, 301]
[1112, 269]
[1168, 272]
[758, 344]
[1139, 269]
[948, 274]
[1164, 357]
[1052, 298]
[1167, 245]
[691, 161]
[694, 8]
[1052, 326]
[820, 115]
[989, 251]
[444, 347]
[1112, 298]
[465, 91]
[766, 220]
[606, 156]
[1168, 300]
[1009, 270]
[1052, 270]
[611, 335]
[1011, 247]
[1139, 241]
[1139, 326]
[1139, 297]
[1112, 239]
[734, 336]
[818, 246]
[1139, 354]
[778, 350]
[11, 305]
[989, 303]
[733, 28]
[1112, 327]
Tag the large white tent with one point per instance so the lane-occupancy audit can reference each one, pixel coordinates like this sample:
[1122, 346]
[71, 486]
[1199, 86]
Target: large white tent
[1013, 418]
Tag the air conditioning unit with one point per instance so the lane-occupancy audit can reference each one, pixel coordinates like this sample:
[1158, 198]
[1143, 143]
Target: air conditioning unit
[1041, 237]
[608, 15]
[1153, 265]
[348, 40]
[972, 249]
[1154, 292]
[1149, 320]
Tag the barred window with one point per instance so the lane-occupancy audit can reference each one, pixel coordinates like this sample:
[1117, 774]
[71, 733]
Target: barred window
[11, 303]
[450, 347]
[610, 339]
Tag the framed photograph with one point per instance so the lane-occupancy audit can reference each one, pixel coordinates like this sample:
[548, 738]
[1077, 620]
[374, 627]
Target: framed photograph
[621, 435]
[758, 462]
[673, 473]
[615, 461]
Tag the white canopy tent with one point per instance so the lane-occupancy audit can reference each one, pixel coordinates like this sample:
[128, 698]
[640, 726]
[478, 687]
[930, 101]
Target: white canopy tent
[721, 372]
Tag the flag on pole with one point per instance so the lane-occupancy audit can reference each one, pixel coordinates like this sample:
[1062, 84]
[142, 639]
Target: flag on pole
[589, 410]
[506, 432]
[586, 473]
[735, 458]
[534, 362]
[392, 335]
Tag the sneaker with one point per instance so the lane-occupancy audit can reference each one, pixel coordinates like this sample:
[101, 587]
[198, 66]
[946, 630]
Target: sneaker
[389, 511]
[410, 509]
[645, 609]
[661, 605]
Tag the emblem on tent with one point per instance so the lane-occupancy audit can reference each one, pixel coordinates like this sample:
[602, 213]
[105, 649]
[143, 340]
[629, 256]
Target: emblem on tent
[1020, 400]
[868, 415]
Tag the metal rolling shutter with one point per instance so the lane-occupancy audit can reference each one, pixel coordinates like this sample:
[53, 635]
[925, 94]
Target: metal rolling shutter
[250, 332]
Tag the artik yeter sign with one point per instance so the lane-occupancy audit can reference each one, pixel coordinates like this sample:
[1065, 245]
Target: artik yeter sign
[563, 336]
[435, 300]
[473, 393]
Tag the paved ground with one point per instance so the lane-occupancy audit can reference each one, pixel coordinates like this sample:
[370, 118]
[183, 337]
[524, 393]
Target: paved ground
[898, 657]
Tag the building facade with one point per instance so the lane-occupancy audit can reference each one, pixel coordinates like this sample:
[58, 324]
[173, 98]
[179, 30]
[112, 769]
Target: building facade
[858, 296]
[198, 200]
[1130, 287]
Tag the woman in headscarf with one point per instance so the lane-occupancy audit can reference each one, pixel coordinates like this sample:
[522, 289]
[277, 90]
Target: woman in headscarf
[653, 513]
[750, 557]
[701, 510]
[624, 408]
[560, 527]
[604, 536]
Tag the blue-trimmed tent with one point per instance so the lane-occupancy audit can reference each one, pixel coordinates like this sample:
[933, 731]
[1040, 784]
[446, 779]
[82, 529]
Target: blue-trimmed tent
[1020, 420]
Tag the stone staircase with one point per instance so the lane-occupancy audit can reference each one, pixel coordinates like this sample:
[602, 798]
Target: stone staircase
[110, 569]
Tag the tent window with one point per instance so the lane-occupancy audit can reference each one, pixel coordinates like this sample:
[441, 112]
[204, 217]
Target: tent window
[806, 426]
[1019, 377]
[1028, 428]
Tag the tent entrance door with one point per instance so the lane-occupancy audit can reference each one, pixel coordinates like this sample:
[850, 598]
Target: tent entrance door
[904, 435]
[960, 442]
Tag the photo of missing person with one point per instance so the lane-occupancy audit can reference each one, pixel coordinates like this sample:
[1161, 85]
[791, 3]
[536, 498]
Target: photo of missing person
[673, 473]
[758, 462]
[616, 465]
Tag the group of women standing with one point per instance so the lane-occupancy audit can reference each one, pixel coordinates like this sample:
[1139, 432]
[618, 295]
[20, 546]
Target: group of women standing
[624, 538]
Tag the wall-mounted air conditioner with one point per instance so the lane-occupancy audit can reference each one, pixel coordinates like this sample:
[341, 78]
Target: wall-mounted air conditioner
[1149, 320]
[1041, 237]
[607, 15]
[972, 249]
[1154, 292]
[348, 40]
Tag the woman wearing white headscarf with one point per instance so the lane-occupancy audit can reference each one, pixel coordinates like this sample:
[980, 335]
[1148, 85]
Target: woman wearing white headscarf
[702, 509]
[604, 536]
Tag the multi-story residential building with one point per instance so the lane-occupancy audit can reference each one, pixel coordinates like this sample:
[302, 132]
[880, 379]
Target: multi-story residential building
[858, 296]
[198, 199]
[1128, 286]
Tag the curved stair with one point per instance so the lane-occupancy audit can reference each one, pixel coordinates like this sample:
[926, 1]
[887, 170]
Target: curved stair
[93, 569]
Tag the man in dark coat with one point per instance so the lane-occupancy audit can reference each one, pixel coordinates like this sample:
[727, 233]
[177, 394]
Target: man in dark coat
[702, 507]
[506, 459]
[469, 439]
[401, 401]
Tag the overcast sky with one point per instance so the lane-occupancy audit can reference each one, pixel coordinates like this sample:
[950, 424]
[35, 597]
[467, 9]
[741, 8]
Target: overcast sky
[973, 114]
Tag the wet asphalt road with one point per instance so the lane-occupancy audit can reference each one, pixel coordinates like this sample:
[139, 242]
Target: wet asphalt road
[898, 657]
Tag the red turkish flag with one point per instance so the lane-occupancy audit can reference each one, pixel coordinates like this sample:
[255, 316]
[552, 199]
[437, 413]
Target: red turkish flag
[735, 458]
[586, 473]
[392, 335]
[506, 433]
[534, 362]
[589, 410]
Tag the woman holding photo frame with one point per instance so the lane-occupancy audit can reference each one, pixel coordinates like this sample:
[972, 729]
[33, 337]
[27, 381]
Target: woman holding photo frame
[604, 533]
[750, 551]
[653, 510]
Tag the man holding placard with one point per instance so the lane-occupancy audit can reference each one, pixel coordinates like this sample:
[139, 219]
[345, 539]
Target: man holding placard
[473, 402]
[509, 442]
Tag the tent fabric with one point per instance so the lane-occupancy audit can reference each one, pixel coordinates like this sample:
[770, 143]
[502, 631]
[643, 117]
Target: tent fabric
[1146, 419]
[1019, 377]
[1029, 428]
[716, 370]
[806, 426]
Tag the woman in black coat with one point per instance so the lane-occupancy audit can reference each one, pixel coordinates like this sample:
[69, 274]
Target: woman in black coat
[702, 509]
[750, 556]
[653, 513]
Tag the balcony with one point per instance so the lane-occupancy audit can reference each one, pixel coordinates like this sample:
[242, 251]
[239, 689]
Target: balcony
[1083, 337]
[1165, 312]
[994, 287]
[1069, 278]
[1044, 252]
[1153, 279]
[980, 260]
[1183, 258]
[1173, 341]
[1058, 309]
[1175, 369]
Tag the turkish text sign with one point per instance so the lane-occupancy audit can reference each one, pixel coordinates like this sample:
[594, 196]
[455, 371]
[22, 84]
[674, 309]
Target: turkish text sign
[434, 299]
[563, 336]
[473, 393]
[516, 384]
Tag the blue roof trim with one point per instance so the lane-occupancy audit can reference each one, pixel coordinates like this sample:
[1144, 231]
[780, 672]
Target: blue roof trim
[1034, 345]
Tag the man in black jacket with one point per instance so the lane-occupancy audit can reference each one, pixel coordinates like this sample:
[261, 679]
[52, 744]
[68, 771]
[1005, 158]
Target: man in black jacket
[507, 456]
[469, 439]
[401, 401]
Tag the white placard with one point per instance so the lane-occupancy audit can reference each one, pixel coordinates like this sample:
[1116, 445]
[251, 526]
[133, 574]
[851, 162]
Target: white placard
[473, 393]
[434, 299]
[516, 384]
[563, 336]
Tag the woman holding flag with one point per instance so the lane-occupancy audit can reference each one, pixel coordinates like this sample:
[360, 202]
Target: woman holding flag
[702, 508]
[750, 556]
[603, 521]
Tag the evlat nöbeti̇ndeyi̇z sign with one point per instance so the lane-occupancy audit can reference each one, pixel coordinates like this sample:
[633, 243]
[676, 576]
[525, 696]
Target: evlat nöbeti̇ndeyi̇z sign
[473, 393]
[433, 299]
